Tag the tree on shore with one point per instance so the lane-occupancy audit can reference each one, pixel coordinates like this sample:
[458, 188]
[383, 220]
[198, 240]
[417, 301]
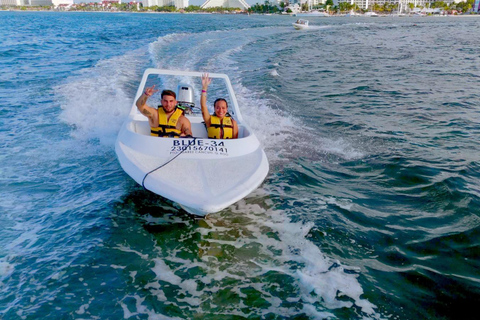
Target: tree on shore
[465, 5]
[267, 7]
[192, 8]
[345, 6]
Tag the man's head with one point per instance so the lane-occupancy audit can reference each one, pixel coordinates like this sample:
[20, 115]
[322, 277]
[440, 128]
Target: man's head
[169, 100]
[221, 107]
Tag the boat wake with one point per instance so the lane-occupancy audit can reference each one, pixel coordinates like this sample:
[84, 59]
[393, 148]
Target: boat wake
[96, 101]
[249, 260]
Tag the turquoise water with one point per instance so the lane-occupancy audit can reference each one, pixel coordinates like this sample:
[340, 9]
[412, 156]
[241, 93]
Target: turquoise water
[370, 209]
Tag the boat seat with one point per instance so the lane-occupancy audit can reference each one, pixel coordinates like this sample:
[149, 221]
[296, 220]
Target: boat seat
[142, 127]
[198, 129]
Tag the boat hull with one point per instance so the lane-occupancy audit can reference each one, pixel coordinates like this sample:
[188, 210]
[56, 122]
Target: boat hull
[202, 175]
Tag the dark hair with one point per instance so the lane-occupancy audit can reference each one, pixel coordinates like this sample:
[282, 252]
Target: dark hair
[220, 99]
[169, 93]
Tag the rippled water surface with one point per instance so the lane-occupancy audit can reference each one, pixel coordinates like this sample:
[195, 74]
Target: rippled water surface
[370, 209]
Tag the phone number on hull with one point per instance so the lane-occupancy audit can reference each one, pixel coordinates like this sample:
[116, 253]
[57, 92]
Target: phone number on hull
[199, 146]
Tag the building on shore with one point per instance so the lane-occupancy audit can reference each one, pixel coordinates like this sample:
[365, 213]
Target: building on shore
[64, 3]
[225, 4]
[12, 2]
[476, 6]
[179, 4]
[312, 3]
[402, 4]
[293, 8]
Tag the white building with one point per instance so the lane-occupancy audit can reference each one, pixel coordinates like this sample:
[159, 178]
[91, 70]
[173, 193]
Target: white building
[366, 4]
[179, 4]
[476, 6]
[313, 3]
[68, 3]
[294, 8]
[225, 4]
[12, 2]
[310, 3]
[40, 2]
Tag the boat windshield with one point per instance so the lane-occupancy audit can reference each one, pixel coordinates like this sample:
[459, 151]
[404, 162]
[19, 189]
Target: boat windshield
[188, 89]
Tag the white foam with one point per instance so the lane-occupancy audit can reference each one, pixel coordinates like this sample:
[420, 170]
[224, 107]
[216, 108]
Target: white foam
[345, 204]
[96, 101]
[6, 269]
[318, 27]
[128, 249]
[273, 128]
[133, 274]
[317, 275]
[164, 273]
[58, 275]
[263, 241]
[141, 309]
[82, 309]
[342, 148]
[27, 238]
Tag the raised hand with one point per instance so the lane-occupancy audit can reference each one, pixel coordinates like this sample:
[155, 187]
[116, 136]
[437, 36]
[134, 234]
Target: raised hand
[205, 81]
[149, 91]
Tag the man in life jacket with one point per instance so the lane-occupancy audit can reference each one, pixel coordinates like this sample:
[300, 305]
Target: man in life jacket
[167, 120]
[220, 125]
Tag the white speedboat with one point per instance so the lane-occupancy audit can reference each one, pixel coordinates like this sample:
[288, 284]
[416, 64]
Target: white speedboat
[300, 24]
[202, 175]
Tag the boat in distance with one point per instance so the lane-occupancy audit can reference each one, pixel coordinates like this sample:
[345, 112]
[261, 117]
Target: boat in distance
[202, 175]
[300, 24]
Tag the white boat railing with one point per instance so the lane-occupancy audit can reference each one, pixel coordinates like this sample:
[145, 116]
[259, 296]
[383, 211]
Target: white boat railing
[234, 108]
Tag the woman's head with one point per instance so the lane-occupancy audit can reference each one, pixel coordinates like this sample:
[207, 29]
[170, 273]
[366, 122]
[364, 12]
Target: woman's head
[221, 107]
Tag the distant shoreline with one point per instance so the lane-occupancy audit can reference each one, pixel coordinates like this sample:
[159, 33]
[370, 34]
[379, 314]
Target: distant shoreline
[304, 15]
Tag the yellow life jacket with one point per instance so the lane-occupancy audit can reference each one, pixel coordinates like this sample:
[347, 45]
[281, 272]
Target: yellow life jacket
[220, 128]
[167, 128]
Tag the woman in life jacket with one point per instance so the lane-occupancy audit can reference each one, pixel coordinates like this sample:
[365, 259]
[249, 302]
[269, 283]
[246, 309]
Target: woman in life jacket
[220, 125]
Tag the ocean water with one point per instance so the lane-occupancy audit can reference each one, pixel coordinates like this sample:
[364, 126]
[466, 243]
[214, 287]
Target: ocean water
[370, 209]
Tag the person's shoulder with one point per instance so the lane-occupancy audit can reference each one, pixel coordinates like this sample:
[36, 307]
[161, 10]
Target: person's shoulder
[184, 118]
